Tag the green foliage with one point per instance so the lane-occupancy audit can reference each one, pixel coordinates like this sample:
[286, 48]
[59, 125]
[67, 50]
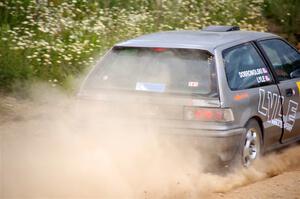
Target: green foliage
[286, 13]
[56, 40]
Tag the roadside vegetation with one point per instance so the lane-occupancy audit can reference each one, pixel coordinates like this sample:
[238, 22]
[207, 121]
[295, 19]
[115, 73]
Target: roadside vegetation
[284, 18]
[54, 41]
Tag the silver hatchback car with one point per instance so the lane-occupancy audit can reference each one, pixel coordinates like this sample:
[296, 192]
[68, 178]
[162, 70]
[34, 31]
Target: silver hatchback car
[235, 93]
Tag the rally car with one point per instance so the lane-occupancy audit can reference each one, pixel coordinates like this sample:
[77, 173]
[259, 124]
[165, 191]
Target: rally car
[235, 93]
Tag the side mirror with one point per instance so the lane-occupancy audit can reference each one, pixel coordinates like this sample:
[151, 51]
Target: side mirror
[295, 73]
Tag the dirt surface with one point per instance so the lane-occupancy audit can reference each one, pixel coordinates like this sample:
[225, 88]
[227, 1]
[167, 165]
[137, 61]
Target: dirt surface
[44, 154]
[285, 185]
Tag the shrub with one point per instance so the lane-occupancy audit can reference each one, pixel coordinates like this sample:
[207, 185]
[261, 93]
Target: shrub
[289, 20]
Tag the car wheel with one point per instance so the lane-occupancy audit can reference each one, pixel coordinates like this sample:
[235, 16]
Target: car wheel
[251, 145]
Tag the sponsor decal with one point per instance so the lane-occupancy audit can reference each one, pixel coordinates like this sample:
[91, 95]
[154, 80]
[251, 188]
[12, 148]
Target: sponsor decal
[253, 72]
[298, 85]
[261, 74]
[265, 70]
[263, 78]
[241, 96]
[269, 106]
[152, 87]
[193, 84]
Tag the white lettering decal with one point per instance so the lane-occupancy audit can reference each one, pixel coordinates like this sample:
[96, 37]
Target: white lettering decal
[261, 72]
[272, 107]
[290, 117]
[261, 108]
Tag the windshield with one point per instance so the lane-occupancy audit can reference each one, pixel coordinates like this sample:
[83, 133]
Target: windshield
[160, 70]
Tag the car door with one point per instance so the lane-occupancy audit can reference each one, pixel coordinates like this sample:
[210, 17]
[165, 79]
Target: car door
[285, 62]
[254, 89]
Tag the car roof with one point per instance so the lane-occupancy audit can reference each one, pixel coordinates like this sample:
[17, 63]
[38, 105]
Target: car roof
[197, 39]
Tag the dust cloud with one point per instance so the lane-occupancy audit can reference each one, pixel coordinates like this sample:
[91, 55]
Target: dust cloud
[59, 147]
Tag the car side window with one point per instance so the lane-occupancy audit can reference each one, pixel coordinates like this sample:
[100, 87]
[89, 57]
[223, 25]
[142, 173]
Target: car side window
[284, 59]
[245, 68]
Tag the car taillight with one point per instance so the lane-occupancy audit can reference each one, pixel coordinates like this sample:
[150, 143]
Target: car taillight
[208, 114]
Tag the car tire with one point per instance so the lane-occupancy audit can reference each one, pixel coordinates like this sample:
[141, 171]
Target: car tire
[250, 149]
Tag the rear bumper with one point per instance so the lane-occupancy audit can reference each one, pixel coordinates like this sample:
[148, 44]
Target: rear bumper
[223, 145]
[205, 133]
[218, 142]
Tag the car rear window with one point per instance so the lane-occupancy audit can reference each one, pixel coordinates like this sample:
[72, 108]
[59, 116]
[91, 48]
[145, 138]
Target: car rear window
[158, 70]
